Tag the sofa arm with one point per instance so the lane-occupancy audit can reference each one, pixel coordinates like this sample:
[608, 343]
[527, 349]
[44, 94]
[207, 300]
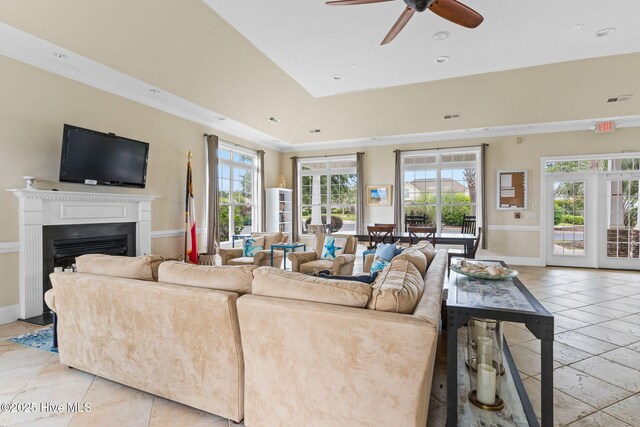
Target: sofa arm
[229, 254]
[50, 299]
[368, 261]
[299, 258]
[343, 264]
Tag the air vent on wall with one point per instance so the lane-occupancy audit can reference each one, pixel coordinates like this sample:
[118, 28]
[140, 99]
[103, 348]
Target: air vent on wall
[273, 119]
[620, 98]
[315, 131]
[452, 116]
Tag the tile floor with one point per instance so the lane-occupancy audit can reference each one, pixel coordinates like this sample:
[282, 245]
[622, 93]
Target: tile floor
[597, 372]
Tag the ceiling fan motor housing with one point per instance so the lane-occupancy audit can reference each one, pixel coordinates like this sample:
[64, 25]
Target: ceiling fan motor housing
[418, 5]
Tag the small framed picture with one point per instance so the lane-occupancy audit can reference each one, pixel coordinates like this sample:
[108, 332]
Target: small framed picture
[378, 195]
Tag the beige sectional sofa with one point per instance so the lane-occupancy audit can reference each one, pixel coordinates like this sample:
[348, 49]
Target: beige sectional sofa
[273, 347]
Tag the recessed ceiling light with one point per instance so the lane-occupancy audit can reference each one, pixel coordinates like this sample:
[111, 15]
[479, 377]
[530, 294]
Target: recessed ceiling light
[220, 118]
[442, 59]
[605, 32]
[578, 27]
[441, 35]
[337, 77]
[60, 55]
[354, 65]
[273, 119]
[154, 91]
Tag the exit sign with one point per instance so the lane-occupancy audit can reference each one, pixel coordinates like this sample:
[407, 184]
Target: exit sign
[605, 127]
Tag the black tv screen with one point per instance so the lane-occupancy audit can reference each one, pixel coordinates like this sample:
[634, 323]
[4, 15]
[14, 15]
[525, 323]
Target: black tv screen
[97, 158]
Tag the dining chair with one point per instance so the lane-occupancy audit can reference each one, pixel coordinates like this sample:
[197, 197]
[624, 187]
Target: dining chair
[468, 224]
[421, 232]
[463, 253]
[414, 220]
[378, 233]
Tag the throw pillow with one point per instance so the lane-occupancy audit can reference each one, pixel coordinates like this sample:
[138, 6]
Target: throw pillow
[333, 247]
[385, 251]
[378, 265]
[252, 245]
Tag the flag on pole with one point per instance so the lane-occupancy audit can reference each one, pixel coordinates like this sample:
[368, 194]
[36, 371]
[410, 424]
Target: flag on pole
[191, 247]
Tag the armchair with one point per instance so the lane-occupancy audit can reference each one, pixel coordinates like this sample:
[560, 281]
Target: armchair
[234, 256]
[310, 262]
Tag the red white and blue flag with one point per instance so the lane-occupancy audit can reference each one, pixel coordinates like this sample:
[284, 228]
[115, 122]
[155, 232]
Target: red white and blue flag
[191, 247]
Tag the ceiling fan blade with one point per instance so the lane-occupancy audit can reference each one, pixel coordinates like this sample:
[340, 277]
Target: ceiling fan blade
[457, 13]
[349, 2]
[399, 25]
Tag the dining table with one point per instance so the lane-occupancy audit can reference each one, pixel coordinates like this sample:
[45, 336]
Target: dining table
[464, 239]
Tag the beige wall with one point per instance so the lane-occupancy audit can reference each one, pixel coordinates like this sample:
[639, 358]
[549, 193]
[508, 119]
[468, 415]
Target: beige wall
[502, 153]
[35, 105]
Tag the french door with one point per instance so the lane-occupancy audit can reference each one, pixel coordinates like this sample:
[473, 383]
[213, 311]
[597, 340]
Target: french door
[618, 232]
[571, 220]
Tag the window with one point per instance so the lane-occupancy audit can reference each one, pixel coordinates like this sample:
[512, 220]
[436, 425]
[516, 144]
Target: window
[237, 195]
[328, 186]
[444, 185]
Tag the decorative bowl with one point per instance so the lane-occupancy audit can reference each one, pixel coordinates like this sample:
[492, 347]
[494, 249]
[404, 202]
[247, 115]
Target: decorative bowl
[486, 276]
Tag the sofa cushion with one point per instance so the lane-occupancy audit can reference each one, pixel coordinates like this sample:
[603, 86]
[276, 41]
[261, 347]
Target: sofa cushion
[141, 267]
[317, 265]
[270, 238]
[398, 288]
[273, 282]
[427, 249]
[417, 258]
[225, 277]
[243, 260]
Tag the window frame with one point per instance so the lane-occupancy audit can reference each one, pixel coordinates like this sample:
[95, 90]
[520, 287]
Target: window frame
[439, 166]
[233, 165]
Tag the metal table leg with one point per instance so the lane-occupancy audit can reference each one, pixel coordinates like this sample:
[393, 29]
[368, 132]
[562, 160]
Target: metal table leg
[546, 383]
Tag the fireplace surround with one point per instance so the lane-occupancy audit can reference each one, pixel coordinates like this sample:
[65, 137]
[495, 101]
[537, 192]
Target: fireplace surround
[40, 208]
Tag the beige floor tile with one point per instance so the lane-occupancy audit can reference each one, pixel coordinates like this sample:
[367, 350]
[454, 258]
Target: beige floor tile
[584, 316]
[517, 335]
[626, 410]
[599, 419]
[609, 335]
[602, 295]
[624, 290]
[586, 388]
[604, 311]
[13, 329]
[57, 394]
[55, 373]
[627, 305]
[166, 413]
[104, 393]
[437, 417]
[527, 361]
[611, 372]
[562, 353]
[582, 342]
[134, 413]
[624, 356]
[568, 323]
[56, 421]
[553, 307]
[24, 356]
[565, 408]
[566, 301]
[622, 326]
[634, 318]
[586, 297]
[635, 347]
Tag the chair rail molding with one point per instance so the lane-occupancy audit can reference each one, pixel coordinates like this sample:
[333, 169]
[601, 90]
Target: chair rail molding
[38, 208]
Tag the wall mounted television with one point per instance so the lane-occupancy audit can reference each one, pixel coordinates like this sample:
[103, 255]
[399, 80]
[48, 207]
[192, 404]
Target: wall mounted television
[97, 158]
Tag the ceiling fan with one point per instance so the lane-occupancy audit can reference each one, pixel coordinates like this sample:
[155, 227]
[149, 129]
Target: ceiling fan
[450, 10]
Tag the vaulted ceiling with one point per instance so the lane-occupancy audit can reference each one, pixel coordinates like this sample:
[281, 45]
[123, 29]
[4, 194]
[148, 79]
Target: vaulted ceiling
[526, 67]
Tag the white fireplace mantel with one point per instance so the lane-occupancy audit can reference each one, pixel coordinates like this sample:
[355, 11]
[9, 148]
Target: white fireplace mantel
[47, 207]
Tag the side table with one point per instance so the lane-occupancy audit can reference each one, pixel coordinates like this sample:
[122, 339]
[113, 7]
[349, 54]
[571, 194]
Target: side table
[287, 247]
[507, 300]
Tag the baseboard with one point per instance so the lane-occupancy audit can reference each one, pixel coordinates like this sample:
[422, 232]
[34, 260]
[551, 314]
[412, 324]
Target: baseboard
[9, 314]
[515, 260]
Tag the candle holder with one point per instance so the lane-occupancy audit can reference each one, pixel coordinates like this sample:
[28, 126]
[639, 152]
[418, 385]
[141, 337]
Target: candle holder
[484, 358]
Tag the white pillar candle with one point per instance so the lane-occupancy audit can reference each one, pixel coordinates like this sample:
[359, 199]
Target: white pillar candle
[57, 269]
[485, 350]
[68, 270]
[480, 328]
[486, 384]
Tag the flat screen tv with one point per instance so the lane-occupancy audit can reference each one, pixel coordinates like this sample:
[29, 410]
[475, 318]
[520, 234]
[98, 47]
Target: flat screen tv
[97, 158]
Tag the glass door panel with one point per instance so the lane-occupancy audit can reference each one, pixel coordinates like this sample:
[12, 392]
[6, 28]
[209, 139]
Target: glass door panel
[619, 245]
